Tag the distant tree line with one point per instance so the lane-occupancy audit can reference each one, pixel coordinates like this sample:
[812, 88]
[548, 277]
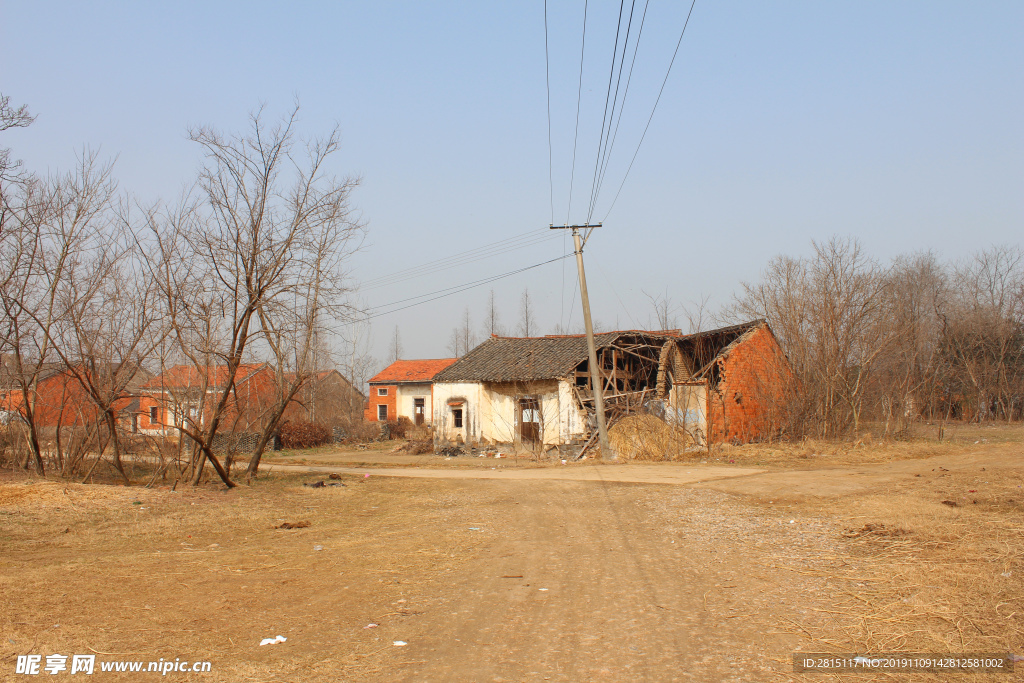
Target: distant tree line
[891, 343]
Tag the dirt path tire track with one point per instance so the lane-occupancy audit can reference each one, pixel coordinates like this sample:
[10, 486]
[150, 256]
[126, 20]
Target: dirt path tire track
[622, 601]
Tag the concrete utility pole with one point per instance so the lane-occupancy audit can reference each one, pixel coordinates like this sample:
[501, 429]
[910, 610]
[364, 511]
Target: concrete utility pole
[595, 371]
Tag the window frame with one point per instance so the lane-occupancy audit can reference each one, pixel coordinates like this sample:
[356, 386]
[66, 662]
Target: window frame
[382, 391]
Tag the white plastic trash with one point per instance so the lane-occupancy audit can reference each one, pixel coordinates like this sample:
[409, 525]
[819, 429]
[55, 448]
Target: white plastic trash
[273, 641]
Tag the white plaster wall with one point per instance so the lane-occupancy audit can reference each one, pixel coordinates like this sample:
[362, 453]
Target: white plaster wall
[473, 406]
[572, 421]
[405, 393]
[492, 408]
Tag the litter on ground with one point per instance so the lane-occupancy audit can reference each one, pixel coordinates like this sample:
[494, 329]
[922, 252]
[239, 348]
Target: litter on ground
[273, 641]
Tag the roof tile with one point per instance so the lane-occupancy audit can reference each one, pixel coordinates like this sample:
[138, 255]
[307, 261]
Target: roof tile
[422, 370]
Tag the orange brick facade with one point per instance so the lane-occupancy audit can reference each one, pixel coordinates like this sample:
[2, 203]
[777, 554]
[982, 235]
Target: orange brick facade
[61, 400]
[376, 400]
[753, 377]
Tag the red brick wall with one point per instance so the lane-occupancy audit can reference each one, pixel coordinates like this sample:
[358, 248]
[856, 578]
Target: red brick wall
[751, 389]
[389, 401]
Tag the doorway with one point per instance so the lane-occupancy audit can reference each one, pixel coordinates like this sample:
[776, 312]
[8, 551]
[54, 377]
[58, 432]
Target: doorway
[419, 407]
[529, 422]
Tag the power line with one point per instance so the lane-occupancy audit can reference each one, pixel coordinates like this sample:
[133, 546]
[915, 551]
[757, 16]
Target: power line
[547, 82]
[604, 147]
[579, 92]
[651, 117]
[604, 116]
[462, 258]
[449, 291]
[625, 94]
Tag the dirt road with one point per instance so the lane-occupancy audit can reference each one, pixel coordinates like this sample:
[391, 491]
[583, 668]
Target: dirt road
[640, 474]
[592, 573]
[599, 582]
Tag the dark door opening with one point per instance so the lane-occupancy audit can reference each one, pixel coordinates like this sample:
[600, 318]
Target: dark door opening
[418, 409]
[529, 421]
[382, 412]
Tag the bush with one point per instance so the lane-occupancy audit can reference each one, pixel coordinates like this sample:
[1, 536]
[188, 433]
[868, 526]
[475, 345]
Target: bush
[399, 429]
[362, 432]
[303, 434]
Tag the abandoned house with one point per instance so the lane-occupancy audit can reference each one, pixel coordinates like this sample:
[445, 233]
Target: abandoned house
[403, 389]
[536, 392]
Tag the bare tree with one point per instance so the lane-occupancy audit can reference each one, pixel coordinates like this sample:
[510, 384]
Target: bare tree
[527, 320]
[492, 319]
[463, 339]
[395, 349]
[911, 371]
[53, 230]
[114, 318]
[11, 117]
[984, 331]
[665, 311]
[828, 313]
[255, 261]
[358, 365]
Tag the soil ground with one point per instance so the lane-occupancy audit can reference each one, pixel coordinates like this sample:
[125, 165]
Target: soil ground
[526, 572]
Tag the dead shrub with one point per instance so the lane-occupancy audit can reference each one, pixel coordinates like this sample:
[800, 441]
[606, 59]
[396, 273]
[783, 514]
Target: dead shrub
[361, 431]
[416, 447]
[646, 437]
[303, 434]
[400, 428]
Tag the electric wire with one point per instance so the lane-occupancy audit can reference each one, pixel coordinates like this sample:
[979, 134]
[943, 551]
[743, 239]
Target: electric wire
[603, 144]
[547, 83]
[449, 291]
[579, 93]
[604, 116]
[625, 95]
[483, 252]
[653, 109]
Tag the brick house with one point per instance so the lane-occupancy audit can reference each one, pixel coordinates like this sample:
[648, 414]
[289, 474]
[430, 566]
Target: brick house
[404, 389]
[723, 384]
[59, 399]
[184, 393]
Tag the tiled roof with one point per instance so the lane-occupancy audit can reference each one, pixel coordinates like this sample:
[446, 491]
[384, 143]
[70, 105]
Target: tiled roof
[422, 370]
[527, 359]
[188, 376]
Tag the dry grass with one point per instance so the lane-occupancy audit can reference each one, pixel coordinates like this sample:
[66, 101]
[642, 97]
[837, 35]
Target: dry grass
[812, 453]
[646, 437]
[913, 575]
[205, 574]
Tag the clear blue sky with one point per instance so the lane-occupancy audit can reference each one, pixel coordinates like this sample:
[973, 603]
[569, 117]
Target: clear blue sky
[899, 123]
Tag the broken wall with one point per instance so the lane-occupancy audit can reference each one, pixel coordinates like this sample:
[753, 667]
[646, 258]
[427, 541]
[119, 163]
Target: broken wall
[746, 403]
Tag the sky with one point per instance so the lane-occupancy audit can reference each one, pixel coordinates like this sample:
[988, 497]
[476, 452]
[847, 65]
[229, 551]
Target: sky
[780, 123]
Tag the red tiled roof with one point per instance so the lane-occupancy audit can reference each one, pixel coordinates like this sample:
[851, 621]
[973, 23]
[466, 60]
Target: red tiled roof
[187, 376]
[411, 370]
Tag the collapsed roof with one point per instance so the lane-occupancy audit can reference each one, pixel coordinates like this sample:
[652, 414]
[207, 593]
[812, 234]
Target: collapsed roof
[528, 359]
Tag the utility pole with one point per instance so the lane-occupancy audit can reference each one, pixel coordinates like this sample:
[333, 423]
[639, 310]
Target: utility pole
[595, 371]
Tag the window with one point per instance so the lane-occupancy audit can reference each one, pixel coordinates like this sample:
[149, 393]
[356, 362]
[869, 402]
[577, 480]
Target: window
[457, 416]
[382, 391]
[153, 416]
[382, 413]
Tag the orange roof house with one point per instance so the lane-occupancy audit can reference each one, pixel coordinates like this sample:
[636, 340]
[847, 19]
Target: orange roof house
[59, 399]
[405, 389]
[185, 394]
